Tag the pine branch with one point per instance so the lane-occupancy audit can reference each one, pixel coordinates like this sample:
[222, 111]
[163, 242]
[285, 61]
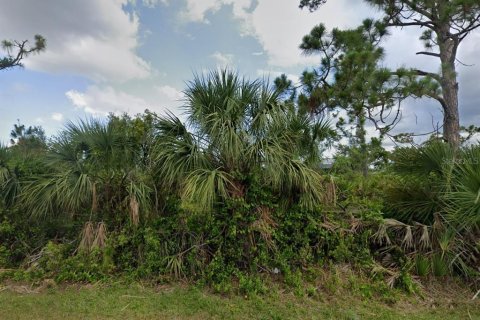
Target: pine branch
[433, 54]
[428, 74]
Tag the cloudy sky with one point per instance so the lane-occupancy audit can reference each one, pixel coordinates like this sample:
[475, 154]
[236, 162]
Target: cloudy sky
[129, 55]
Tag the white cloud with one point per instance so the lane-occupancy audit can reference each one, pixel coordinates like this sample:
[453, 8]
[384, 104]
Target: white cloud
[223, 59]
[77, 98]
[101, 100]
[170, 93]
[196, 10]
[154, 3]
[57, 116]
[95, 39]
[279, 25]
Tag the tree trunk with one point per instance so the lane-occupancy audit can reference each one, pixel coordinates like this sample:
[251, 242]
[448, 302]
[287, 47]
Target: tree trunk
[451, 119]
[362, 142]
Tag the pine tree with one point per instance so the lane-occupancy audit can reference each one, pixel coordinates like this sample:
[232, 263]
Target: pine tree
[18, 50]
[446, 23]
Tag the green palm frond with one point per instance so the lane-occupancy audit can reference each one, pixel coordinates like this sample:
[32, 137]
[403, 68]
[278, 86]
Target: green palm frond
[140, 192]
[203, 188]
[9, 182]
[425, 175]
[464, 198]
[298, 176]
[90, 167]
[177, 152]
[61, 193]
[433, 158]
[237, 128]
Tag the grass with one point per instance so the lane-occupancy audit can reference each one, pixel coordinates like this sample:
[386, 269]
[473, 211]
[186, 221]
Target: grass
[137, 302]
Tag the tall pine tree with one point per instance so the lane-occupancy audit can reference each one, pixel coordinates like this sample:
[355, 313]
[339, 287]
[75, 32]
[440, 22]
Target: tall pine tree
[446, 23]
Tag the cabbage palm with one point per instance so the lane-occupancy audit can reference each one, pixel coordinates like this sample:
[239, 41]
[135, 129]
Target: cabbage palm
[238, 130]
[92, 167]
[464, 198]
[9, 184]
[440, 187]
[424, 178]
[438, 179]
[18, 162]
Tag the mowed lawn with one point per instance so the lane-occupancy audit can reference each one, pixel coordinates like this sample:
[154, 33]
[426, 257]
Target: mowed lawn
[136, 302]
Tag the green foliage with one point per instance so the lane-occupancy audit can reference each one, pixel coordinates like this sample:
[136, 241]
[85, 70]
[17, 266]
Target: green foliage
[439, 266]
[238, 130]
[18, 50]
[437, 187]
[424, 175]
[445, 25]
[232, 199]
[92, 165]
[422, 266]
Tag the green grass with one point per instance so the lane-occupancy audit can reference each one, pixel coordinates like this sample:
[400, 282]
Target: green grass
[136, 302]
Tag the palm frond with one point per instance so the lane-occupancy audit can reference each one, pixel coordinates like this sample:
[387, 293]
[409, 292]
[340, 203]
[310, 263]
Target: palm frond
[435, 157]
[61, 193]
[203, 187]
[464, 198]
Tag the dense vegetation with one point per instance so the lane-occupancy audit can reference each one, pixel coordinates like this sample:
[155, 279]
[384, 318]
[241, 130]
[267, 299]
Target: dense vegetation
[237, 194]
[234, 195]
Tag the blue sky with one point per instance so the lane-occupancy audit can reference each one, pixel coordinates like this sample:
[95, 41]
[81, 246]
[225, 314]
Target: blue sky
[126, 56]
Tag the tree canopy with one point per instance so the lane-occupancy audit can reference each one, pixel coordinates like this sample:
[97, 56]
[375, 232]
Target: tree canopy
[16, 51]
[446, 24]
[239, 129]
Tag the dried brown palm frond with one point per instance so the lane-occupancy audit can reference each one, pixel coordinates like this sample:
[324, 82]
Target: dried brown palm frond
[400, 232]
[94, 198]
[381, 236]
[134, 211]
[330, 195]
[438, 224]
[392, 275]
[356, 225]
[32, 260]
[236, 190]
[265, 225]
[388, 261]
[100, 240]
[266, 216]
[330, 226]
[395, 224]
[87, 237]
[407, 241]
[424, 240]
[392, 279]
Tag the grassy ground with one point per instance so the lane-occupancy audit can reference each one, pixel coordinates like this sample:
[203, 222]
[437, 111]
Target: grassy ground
[137, 302]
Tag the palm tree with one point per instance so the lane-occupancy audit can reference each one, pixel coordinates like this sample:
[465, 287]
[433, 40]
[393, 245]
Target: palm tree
[9, 184]
[238, 130]
[20, 160]
[464, 198]
[439, 186]
[424, 177]
[92, 167]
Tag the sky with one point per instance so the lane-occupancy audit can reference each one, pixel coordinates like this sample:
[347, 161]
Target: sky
[130, 55]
